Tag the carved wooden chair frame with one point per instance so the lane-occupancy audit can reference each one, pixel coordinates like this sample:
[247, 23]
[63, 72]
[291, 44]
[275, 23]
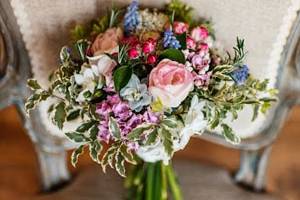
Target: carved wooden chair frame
[15, 68]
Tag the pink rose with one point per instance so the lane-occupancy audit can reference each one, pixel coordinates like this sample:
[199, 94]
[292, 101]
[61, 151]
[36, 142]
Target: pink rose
[199, 33]
[107, 42]
[171, 82]
[191, 44]
[180, 27]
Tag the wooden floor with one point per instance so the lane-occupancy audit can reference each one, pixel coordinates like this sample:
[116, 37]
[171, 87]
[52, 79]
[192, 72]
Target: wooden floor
[19, 176]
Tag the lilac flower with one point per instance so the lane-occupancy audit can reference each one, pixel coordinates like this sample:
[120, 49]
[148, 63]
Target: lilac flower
[151, 117]
[131, 18]
[170, 40]
[202, 80]
[114, 99]
[103, 108]
[132, 146]
[104, 134]
[122, 111]
[240, 75]
[200, 62]
[135, 120]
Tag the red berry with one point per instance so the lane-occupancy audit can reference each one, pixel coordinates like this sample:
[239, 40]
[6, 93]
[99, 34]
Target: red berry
[133, 53]
[151, 59]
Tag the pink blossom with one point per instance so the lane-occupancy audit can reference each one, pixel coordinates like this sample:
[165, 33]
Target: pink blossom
[202, 80]
[200, 62]
[191, 44]
[199, 33]
[171, 82]
[203, 47]
[180, 27]
[149, 46]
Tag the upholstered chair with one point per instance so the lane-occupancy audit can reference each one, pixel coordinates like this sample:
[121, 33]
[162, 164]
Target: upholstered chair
[33, 31]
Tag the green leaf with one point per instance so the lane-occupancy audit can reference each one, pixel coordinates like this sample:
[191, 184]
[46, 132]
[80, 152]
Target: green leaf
[75, 155]
[33, 84]
[138, 131]
[122, 76]
[127, 155]
[152, 137]
[64, 54]
[171, 123]
[73, 115]
[76, 137]
[229, 134]
[114, 128]
[119, 164]
[255, 111]
[173, 54]
[81, 46]
[60, 114]
[95, 150]
[166, 136]
[94, 132]
[85, 126]
[182, 40]
[108, 157]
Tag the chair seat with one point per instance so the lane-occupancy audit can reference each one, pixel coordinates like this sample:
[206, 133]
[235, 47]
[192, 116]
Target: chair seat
[264, 25]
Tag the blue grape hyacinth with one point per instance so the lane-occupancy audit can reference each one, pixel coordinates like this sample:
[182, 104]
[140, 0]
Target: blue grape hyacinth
[131, 18]
[170, 40]
[240, 75]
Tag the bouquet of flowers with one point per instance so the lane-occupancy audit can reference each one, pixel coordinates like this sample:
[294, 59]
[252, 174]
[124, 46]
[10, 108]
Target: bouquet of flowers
[142, 82]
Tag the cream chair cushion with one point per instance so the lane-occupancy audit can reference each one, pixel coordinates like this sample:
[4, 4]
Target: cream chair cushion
[264, 24]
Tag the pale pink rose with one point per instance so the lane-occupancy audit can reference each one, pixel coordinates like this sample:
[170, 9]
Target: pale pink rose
[180, 27]
[103, 65]
[171, 82]
[107, 42]
[199, 33]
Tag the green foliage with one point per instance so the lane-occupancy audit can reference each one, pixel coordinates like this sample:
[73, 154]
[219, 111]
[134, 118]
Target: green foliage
[122, 76]
[229, 134]
[173, 54]
[75, 155]
[79, 32]
[239, 54]
[182, 11]
[81, 46]
[182, 40]
[60, 114]
[114, 128]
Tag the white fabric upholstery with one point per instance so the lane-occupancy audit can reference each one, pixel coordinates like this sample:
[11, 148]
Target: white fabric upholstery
[265, 26]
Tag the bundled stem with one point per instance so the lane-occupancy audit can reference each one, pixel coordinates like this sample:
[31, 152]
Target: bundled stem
[151, 181]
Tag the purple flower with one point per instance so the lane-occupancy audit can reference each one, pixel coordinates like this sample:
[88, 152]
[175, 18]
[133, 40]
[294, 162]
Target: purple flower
[122, 111]
[114, 99]
[131, 18]
[240, 75]
[202, 80]
[200, 63]
[151, 117]
[135, 120]
[132, 146]
[170, 41]
[104, 134]
[103, 109]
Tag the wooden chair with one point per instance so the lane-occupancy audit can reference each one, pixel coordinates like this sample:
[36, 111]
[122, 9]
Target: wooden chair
[33, 31]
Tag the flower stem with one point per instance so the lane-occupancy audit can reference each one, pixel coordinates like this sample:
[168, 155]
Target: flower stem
[175, 189]
[150, 178]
